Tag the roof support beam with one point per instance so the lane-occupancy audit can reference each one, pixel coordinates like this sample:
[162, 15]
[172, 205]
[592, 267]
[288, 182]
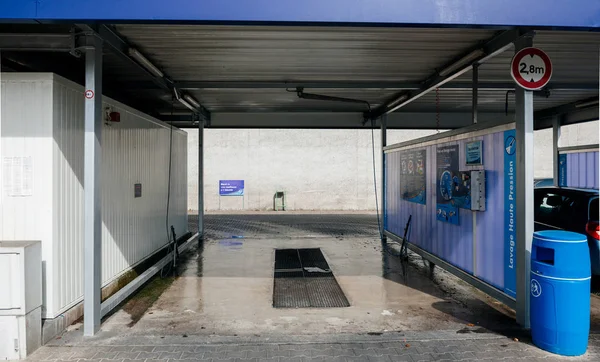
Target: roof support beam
[571, 113]
[42, 42]
[335, 120]
[455, 68]
[123, 49]
[462, 85]
[567, 108]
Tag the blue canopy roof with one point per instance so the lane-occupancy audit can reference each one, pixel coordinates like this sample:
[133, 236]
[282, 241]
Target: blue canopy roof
[486, 13]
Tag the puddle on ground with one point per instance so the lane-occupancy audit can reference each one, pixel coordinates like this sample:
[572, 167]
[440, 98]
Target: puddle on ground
[231, 244]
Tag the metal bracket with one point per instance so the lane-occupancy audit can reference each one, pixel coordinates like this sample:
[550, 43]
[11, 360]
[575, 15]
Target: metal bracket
[79, 42]
[75, 49]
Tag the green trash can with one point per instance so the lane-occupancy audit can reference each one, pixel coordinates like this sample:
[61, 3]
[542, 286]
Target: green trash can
[279, 201]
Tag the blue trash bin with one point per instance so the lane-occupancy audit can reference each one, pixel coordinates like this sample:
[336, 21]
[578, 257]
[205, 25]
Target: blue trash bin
[560, 292]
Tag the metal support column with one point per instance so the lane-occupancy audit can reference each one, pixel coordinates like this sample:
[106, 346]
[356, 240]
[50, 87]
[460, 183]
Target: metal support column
[383, 120]
[555, 140]
[475, 91]
[524, 194]
[201, 178]
[91, 177]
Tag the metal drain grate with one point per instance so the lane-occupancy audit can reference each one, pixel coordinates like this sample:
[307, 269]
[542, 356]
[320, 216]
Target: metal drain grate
[303, 280]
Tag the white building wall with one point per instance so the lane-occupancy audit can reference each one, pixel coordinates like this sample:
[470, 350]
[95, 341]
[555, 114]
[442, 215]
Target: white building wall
[319, 169]
[136, 150]
[26, 130]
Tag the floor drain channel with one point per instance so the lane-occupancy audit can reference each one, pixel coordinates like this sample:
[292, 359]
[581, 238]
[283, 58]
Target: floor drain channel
[302, 279]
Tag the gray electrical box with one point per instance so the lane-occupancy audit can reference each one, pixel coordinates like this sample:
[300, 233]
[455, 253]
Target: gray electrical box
[20, 298]
[478, 190]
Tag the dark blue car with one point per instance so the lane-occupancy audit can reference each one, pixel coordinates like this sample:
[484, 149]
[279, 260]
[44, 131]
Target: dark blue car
[562, 208]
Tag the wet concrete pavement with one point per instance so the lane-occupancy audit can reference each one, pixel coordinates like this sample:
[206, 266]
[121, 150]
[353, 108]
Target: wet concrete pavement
[222, 299]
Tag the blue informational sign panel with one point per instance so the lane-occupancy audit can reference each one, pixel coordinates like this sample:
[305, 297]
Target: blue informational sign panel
[482, 243]
[231, 187]
[448, 182]
[510, 214]
[413, 176]
[474, 153]
[562, 170]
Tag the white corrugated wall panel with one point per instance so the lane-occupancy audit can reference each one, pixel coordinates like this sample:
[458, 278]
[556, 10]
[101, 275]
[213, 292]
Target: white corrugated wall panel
[26, 131]
[136, 150]
[68, 195]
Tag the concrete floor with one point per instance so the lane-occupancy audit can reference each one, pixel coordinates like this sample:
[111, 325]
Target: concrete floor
[219, 307]
[225, 287]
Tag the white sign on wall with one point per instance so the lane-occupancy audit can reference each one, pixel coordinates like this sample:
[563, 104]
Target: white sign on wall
[17, 176]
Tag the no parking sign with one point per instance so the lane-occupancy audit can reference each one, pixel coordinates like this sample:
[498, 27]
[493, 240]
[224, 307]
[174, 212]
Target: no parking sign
[531, 68]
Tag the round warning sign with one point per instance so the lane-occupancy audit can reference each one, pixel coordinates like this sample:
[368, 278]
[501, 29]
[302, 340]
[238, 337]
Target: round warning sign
[89, 94]
[531, 68]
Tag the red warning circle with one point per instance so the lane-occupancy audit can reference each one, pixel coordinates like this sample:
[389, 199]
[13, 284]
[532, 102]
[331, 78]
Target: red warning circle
[531, 68]
[89, 94]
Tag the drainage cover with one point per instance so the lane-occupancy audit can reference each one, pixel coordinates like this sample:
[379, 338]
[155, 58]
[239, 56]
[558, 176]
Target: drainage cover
[303, 280]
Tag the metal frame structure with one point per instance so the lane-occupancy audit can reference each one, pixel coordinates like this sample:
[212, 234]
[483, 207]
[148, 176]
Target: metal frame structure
[452, 70]
[201, 179]
[405, 86]
[118, 45]
[524, 137]
[484, 287]
[92, 202]
[92, 16]
[473, 131]
[555, 152]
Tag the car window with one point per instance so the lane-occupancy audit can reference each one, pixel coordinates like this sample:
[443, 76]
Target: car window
[547, 208]
[562, 211]
[594, 209]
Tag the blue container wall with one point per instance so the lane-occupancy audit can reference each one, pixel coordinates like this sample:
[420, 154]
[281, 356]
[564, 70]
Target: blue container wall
[455, 243]
[582, 170]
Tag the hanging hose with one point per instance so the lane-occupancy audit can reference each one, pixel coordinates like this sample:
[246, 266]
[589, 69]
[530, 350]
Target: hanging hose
[166, 270]
[375, 179]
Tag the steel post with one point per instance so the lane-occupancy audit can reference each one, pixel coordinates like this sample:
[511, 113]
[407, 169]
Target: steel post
[555, 140]
[475, 91]
[383, 121]
[524, 194]
[201, 178]
[91, 175]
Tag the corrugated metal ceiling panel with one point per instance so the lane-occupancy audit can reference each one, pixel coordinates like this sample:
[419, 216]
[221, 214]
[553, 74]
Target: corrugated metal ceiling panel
[275, 53]
[263, 53]
[261, 100]
[574, 57]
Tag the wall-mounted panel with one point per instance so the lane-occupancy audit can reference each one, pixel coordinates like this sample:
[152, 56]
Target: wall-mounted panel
[479, 242]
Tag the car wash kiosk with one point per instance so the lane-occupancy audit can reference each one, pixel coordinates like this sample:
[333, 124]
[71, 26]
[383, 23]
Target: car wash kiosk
[489, 72]
[466, 195]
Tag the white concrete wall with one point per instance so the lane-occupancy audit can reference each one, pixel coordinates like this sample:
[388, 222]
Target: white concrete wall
[319, 169]
[572, 135]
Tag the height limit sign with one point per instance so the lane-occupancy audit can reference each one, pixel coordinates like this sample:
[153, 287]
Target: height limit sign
[531, 68]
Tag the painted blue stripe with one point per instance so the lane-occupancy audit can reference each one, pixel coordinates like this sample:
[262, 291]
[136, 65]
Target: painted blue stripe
[552, 13]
